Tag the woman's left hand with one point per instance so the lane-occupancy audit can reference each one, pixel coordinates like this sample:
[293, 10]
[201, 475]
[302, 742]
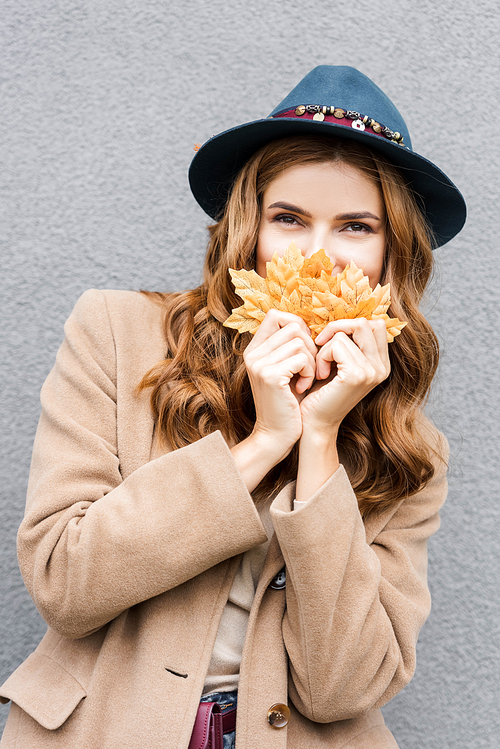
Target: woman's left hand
[353, 358]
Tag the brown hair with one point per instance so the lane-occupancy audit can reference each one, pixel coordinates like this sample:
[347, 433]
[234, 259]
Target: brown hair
[202, 384]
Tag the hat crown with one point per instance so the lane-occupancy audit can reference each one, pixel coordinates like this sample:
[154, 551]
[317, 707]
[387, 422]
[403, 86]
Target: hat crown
[348, 88]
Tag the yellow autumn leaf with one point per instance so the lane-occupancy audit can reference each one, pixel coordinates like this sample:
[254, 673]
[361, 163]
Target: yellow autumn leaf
[306, 287]
[315, 264]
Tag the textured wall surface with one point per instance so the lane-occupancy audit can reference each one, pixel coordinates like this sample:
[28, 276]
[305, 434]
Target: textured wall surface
[102, 102]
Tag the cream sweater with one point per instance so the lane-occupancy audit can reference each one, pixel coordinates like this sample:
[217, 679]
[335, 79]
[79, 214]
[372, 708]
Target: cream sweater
[223, 671]
[224, 668]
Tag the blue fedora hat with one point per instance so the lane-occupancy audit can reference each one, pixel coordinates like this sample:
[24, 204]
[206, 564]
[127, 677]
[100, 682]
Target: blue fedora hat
[341, 102]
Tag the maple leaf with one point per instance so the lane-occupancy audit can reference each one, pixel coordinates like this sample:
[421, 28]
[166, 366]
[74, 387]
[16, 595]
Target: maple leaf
[314, 265]
[306, 287]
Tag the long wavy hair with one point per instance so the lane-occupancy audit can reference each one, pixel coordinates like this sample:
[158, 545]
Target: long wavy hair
[202, 384]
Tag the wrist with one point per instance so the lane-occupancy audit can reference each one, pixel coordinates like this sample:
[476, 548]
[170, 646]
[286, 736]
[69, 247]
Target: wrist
[270, 444]
[256, 455]
[324, 439]
[318, 460]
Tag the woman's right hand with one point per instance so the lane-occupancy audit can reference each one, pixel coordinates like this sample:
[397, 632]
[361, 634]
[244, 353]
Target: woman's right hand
[280, 362]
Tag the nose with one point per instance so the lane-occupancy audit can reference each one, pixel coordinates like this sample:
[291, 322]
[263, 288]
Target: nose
[320, 239]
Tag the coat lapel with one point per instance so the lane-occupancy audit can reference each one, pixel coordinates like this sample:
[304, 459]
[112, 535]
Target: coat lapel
[135, 424]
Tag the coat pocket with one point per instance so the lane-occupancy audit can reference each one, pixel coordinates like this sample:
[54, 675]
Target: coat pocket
[43, 689]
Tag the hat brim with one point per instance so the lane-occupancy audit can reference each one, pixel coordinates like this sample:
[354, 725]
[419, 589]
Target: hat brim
[216, 165]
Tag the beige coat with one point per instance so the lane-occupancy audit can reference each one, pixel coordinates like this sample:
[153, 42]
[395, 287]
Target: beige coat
[130, 562]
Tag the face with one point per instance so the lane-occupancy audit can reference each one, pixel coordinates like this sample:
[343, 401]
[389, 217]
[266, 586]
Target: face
[333, 206]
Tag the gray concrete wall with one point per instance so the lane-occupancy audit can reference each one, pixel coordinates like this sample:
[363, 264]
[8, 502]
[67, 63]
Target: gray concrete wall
[102, 103]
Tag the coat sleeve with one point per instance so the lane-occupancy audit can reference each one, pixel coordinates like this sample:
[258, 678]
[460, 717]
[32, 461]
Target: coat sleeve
[91, 544]
[354, 610]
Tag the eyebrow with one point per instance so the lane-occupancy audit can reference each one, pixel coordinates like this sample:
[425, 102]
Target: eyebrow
[290, 207]
[339, 217]
[356, 216]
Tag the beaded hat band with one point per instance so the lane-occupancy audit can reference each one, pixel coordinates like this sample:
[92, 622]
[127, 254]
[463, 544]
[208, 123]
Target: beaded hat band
[345, 117]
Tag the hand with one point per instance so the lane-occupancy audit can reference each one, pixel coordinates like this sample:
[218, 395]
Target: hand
[281, 366]
[352, 360]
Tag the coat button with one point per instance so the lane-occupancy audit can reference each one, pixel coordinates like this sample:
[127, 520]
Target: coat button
[278, 715]
[279, 582]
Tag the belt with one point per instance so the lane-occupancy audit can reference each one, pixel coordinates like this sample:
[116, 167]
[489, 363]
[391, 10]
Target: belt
[229, 721]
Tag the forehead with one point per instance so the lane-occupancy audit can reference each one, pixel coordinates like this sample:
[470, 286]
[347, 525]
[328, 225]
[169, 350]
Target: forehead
[325, 173]
[329, 180]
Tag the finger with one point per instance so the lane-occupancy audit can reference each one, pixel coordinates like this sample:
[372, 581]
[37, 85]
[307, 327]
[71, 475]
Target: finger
[379, 356]
[291, 335]
[351, 361]
[276, 319]
[304, 382]
[369, 335]
[379, 329]
[280, 373]
[306, 373]
[277, 356]
[349, 327]
[274, 332]
[336, 350]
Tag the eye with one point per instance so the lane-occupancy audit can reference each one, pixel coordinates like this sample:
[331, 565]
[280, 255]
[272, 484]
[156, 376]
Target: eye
[287, 219]
[357, 228]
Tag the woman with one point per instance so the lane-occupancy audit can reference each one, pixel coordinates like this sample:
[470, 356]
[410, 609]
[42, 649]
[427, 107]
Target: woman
[211, 516]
